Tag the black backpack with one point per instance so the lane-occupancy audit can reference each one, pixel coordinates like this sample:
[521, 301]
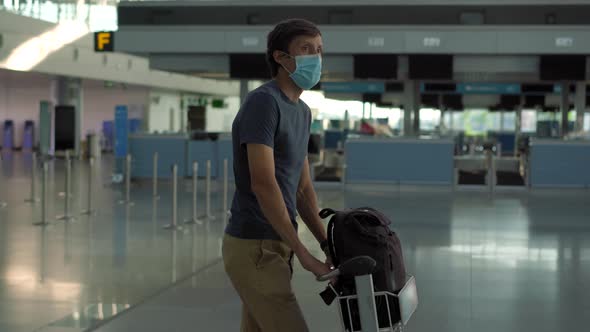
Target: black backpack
[358, 232]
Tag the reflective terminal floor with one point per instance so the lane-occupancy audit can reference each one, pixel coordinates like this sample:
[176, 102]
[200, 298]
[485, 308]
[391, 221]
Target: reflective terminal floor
[517, 261]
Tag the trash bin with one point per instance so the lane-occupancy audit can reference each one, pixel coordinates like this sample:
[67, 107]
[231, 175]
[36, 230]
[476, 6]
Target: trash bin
[93, 143]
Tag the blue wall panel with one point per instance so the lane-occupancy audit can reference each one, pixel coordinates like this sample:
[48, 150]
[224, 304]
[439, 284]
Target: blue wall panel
[225, 151]
[560, 164]
[171, 150]
[201, 151]
[403, 161]
[179, 150]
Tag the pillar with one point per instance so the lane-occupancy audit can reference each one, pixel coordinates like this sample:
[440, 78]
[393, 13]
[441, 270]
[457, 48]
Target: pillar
[243, 90]
[411, 106]
[565, 107]
[416, 120]
[580, 104]
[517, 125]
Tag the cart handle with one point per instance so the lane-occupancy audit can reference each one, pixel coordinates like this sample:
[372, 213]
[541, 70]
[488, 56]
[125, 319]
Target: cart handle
[357, 266]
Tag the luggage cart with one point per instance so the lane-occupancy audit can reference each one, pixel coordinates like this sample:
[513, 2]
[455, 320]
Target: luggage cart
[360, 313]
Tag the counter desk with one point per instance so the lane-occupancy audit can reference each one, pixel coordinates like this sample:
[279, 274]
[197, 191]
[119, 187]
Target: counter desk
[559, 163]
[399, 160]
[171, 150]
[180, 150]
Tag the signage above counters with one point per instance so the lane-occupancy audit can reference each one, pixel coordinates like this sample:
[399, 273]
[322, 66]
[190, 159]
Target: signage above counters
[491, 89]
[353, 87]
[363, 39]
[474, 88]
[488, 88]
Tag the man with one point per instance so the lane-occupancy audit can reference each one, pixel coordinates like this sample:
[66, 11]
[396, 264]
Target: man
[270, 135]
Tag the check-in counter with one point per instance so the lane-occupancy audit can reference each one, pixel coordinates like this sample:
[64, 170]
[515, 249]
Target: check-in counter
[557, 163]
[171, 150]
[215, 150]
[201, 151]
[399, 160]
[180, 150]
[225, 151]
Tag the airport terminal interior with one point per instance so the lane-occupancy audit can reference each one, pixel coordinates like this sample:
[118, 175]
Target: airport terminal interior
[467, 123]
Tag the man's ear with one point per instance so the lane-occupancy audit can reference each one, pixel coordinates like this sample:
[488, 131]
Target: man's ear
[278, 56]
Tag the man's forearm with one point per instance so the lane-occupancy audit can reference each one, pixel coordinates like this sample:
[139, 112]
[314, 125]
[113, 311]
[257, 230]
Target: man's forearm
[273, 207]
[308, 210]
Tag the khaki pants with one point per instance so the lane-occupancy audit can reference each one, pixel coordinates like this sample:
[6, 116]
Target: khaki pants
[260, 271]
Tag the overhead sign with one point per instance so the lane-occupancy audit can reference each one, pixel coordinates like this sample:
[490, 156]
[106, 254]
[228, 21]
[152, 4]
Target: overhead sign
[252, 41]
[431, 42]
[218, 103]
[104, 41]
[488, 88]
[353, 87]
[564, 42]
[376, 42]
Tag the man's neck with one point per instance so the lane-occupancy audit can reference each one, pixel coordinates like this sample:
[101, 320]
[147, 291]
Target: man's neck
[289, 88]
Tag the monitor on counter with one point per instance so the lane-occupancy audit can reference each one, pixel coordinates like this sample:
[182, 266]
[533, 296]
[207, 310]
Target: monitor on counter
[534, 101]
[372, 98]
[452, 102]
[430, 100]
[509, 102]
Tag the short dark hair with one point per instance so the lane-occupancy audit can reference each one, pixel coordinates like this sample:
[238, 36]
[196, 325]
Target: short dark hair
[282, 35]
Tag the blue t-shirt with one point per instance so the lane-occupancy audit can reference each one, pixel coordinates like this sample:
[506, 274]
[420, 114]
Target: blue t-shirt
[267, 117]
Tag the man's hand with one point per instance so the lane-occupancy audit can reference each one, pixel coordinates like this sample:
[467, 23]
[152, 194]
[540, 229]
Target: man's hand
[313, 264]
[330, 264]
[328, 257]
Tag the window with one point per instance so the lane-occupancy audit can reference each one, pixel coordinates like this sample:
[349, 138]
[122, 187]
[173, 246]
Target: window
[475, 122]
[393, 116]
[529, 121]
[494, 121]
[429, 119]
[509, 121]
[453, 121]
[447, 120]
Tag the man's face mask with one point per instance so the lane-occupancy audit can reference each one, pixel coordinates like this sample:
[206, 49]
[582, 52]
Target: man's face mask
[308, 71]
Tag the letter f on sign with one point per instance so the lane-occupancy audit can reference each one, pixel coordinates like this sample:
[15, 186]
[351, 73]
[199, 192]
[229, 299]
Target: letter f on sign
[104, 38]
